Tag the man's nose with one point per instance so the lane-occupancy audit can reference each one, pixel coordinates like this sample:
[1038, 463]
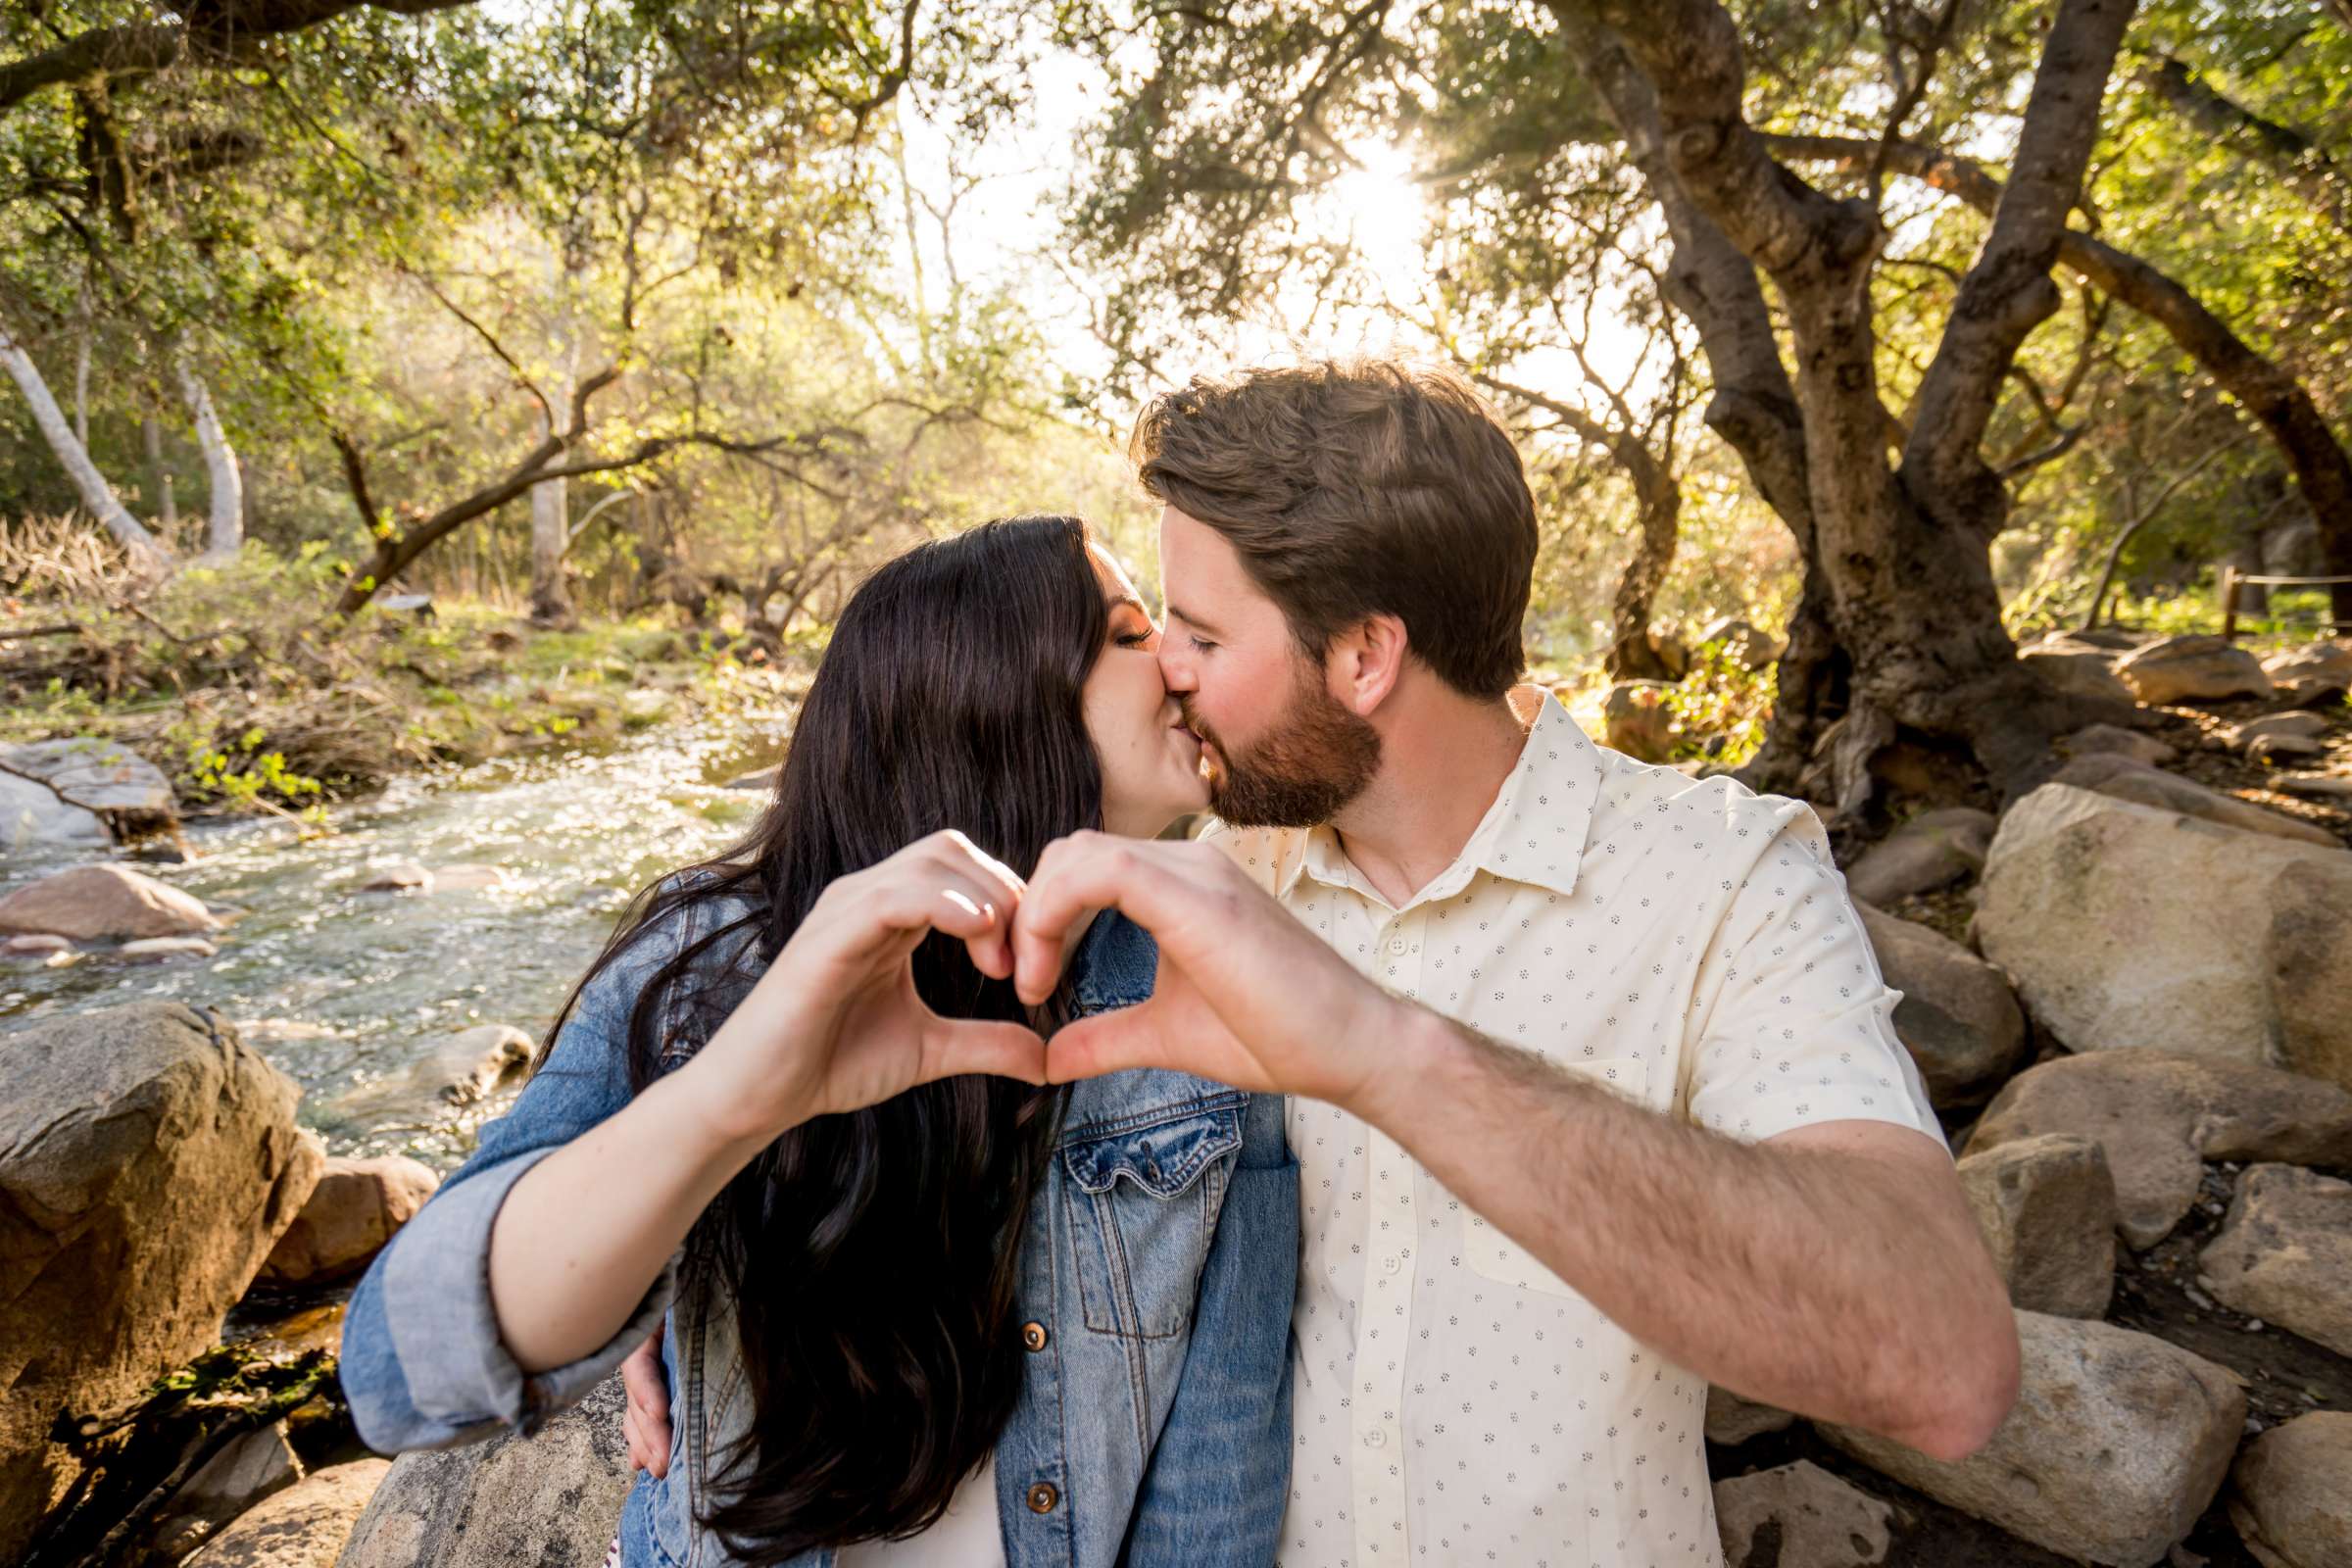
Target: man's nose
[1175, 668]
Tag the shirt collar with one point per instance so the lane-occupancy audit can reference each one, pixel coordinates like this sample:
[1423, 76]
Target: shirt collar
[1534, 832]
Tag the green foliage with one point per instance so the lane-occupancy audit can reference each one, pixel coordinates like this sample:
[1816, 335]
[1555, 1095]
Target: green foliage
[1720, 706]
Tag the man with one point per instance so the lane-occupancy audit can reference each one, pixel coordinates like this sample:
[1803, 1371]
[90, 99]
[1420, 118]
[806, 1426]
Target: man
[1594, 1093]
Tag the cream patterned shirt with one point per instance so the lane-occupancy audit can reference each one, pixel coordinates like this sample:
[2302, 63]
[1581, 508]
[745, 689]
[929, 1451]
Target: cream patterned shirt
[1688, 943]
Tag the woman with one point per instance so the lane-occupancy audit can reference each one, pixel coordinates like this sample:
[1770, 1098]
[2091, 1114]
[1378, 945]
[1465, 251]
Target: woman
[913, 1309]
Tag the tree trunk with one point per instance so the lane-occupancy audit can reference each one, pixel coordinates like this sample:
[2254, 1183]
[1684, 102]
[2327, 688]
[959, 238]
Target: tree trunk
[224, 534]
[1899, 599]
[151, 436]
[96, 494]
[2322, 468]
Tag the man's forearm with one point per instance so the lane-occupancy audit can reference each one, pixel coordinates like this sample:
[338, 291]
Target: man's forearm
[1779, 1273]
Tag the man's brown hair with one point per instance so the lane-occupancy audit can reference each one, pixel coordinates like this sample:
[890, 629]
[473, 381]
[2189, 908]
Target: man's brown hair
[1359, 487]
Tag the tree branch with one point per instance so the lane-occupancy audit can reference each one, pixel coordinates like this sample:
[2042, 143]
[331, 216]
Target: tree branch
[2008, 292]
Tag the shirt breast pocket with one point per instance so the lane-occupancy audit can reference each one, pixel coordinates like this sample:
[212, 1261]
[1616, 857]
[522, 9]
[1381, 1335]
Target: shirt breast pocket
[1140, 1205]
[1492, 1256]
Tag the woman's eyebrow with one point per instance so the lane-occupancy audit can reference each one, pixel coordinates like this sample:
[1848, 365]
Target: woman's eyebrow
[1126, 602]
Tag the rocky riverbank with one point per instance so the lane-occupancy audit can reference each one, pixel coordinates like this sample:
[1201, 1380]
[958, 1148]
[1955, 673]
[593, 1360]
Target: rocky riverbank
[2124, 992]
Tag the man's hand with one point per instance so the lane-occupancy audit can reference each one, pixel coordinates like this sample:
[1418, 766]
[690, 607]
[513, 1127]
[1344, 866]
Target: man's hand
[1245, 995]
[645, 1423]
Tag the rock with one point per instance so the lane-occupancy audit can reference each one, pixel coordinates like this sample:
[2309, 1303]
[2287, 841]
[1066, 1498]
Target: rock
[762, 779]
[2317, 786]
[2283, 747]
[468, 877]
[400, 876]
[31, 813]
[2046, 1209]
[2127, 927]
[2159, 1117]
[2329, 662]
[128, 793]
[37, 945]
[1958, 1017]
[148, 1161]
[2116, 638]
[2287, 1493]
[2306, 726]
[2125, 780]
[1638, 723]
[1931, 849]
[246, 1469]
[1733, 1420]
[104, 902]
[2117, 1443]
[2077, 667]
[2192, 669]
[505, 1502]
[644, 706]
[303, 1526]
[1744, 644]
[1817, 1520]
[475, 1062]
[155, 950]
[2284, 1253]
[2096, 740]
[350, 1215]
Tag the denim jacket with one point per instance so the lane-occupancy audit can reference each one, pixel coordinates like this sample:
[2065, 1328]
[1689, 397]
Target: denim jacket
[1157, 1271]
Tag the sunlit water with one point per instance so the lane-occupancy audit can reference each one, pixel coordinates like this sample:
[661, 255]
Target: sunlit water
[348, 990]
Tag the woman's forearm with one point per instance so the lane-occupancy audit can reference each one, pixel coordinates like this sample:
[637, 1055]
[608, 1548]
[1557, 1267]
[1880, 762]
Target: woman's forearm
[586, 1231]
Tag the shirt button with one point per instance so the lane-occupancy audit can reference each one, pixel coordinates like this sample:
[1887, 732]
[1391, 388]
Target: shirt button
[1043, 1497]
[1376, 1439]
[1391, 1264]
[1033, 1336]
[1396, 943]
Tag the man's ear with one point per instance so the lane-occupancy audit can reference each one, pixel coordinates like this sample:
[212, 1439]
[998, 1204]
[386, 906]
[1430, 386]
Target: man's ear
[1364, 663]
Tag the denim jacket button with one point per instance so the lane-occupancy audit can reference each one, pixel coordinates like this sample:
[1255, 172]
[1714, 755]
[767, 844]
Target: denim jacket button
[1033, 1337]
[1043, 1497]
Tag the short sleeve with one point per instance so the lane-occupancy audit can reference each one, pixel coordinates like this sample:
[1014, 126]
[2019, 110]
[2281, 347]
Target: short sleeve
[1793, 1024]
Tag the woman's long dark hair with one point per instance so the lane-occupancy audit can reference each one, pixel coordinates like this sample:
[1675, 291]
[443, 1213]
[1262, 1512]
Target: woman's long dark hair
[871, 1259]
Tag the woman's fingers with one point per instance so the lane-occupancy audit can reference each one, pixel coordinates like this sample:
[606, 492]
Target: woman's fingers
[957, 1046]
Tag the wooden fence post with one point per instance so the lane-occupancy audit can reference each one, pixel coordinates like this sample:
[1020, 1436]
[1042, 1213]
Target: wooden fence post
[2228, 601]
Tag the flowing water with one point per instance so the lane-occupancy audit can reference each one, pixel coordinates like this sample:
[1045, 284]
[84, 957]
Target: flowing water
[349, 992]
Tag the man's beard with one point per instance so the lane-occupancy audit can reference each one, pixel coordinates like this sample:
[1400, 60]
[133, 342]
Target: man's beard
[1316, 759]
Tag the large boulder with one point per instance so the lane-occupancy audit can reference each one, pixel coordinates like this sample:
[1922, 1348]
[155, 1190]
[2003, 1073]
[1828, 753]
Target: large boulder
[1931, 849]
[2046, 1209]
[2289, 1493]
[1638, 721]
[31, 812]
[353, 1211]
[507, 1502]
[105, 903]
[2192, 669]
[1958, 1017]
[1812, 1519]
[2127, 779]
[303, 1526]
[241, 1472]
[148, 1161]
[128, 793]
[2326, 663]
[2284, 1253]
[2117, 1443]
[2158, 1118]
[2077, 667]
[2128, 928]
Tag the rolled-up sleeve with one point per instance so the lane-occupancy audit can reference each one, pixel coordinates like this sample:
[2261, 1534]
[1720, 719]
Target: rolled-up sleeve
[1795, 1023]
[423, 1364]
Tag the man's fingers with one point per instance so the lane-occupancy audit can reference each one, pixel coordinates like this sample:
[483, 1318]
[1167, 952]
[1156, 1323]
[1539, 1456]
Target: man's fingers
[1106, 1042]
[1084, 871]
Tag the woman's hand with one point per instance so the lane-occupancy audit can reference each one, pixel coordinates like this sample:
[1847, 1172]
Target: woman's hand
[645, 1422]
[835, 1024]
